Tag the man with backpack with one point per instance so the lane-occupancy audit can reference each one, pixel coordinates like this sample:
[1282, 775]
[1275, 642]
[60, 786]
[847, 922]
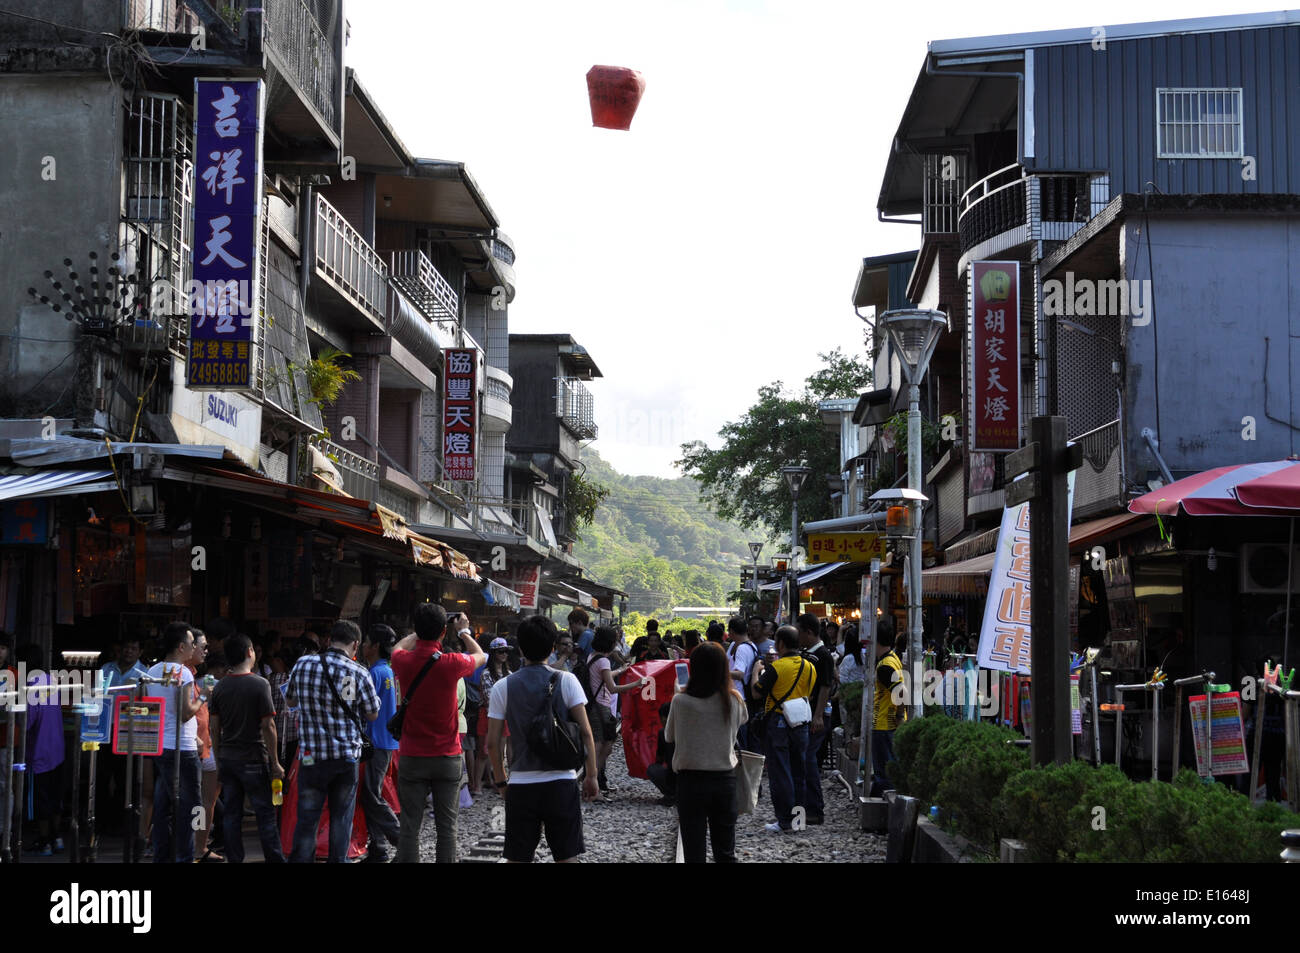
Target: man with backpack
[429, 742]
[742, 654]
[542, 707]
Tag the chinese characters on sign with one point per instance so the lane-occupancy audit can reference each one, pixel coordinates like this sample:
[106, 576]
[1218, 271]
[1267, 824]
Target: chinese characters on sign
[1005, 634]
[845, 547]
[995, 354]
[458, 413]
[1226, 748]
[25, 521]
[227, 220]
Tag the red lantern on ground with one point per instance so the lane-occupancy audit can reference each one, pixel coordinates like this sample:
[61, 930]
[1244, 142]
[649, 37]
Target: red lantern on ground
[615, 92]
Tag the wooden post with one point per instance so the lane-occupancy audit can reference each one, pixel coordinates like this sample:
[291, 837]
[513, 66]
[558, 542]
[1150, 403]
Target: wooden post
[1049, 534]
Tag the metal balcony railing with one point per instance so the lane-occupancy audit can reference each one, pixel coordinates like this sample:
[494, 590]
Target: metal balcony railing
[360, 475]
[1100, 481]
[416, 277]
[349, 262]
[497, 388]
[294, 35]
[1048, 207]
[575, 408]
[489, 512]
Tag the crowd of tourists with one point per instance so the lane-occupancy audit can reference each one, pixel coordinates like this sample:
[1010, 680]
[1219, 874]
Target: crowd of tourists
[349, 717]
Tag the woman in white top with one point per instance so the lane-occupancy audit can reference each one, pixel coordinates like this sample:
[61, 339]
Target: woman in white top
[702, 723]
[851, 666]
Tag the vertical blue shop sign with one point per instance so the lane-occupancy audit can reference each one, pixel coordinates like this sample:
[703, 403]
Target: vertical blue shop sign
[223, 296]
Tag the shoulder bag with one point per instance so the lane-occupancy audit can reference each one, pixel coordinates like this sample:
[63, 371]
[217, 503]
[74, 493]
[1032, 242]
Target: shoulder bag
[395, 723]
[367, 747]
[758, 722]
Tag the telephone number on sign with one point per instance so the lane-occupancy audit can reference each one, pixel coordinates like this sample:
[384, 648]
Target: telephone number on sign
[217, 373]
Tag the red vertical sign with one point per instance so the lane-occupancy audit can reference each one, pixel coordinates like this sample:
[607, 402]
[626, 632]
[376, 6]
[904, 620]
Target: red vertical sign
[459, 406]
[995, 354]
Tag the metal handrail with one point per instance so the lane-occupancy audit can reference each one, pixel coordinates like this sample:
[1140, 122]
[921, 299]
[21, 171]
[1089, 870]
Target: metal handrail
[293, 33]
[416, 277]
[349, 261]
[963, 203]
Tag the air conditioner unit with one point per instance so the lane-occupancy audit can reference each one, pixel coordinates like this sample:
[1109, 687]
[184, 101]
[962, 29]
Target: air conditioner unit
[1264, 568]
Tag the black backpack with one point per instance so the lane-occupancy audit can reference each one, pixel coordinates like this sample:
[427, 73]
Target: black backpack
[582, 672]
[554, 737]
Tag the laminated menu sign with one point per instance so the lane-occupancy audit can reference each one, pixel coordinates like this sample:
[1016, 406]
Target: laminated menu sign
[1227, 742]
[460, 401]
[223, 294]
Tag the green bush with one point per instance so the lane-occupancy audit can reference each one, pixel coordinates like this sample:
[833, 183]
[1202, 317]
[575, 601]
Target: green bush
[986, 787]
[916, 772]
[977, 760]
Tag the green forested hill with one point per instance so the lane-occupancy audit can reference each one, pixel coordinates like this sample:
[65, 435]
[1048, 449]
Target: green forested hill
[654, 539]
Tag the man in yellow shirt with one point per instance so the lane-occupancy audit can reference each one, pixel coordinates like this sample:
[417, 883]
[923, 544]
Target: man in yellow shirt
[886, 714]
[785, 686]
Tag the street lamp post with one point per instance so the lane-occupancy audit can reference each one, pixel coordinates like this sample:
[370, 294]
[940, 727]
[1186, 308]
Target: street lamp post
[794, 479]
[914, 335]
[754, 549]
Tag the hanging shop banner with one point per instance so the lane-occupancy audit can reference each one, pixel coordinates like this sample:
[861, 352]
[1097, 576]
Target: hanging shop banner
[458, 413]
[845, 547]
[994, 356]
[1227, 741]
[1005, 633]
[223, 296]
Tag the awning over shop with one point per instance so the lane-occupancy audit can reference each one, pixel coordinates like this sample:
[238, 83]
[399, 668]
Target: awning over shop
[55, 483]
[968, 577]
[569, 593]
[369, 521]
[809, 577]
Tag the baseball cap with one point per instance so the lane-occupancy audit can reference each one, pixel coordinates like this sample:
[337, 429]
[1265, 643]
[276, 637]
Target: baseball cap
[499, 644]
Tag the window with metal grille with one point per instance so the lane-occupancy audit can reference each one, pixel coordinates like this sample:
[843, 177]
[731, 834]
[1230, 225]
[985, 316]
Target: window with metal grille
[158, 214]
[1198, 123]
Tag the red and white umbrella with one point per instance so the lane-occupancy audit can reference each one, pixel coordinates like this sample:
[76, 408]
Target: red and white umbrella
[1278, 490]
[1250, 489]
[1215, 492]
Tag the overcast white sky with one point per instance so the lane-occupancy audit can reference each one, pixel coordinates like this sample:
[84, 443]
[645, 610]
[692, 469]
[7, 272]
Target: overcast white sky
[714, 247]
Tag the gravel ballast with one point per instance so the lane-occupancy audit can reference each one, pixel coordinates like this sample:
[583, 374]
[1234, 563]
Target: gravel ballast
[634, 829]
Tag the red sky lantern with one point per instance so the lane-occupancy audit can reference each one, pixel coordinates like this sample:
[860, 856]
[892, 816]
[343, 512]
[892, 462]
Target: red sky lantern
[615, 92]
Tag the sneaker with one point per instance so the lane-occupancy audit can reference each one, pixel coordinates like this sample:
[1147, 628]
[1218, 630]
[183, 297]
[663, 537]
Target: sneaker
[775, 828]
[604, 797]
[815, 819]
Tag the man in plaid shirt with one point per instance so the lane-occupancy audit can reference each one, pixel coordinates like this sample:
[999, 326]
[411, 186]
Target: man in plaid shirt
[329, 739]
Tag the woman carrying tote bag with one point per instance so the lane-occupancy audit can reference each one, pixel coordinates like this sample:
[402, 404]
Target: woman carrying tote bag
[702, 723]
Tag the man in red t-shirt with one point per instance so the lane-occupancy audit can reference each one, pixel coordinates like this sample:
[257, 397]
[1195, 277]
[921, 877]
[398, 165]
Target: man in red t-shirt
[430, 749]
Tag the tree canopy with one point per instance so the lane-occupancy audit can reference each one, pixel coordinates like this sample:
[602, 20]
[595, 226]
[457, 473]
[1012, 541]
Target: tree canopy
[741, 481]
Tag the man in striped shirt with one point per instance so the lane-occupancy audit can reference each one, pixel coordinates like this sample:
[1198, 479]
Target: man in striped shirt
[329, 729]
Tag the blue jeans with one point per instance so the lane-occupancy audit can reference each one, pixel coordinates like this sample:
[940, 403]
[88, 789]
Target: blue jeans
[786, 757]
[812, 774]
[882, 752]
[335, 779]
[251, 778]
[191, 797]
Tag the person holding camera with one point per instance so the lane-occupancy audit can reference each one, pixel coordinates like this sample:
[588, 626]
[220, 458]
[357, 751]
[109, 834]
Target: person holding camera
[431, 754]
